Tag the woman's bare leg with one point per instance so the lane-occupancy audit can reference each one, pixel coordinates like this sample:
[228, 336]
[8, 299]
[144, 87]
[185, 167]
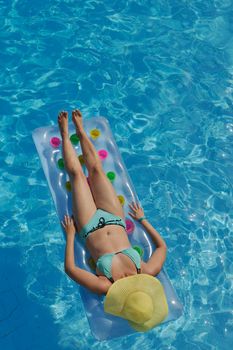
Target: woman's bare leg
[83, 204]
[102, 190]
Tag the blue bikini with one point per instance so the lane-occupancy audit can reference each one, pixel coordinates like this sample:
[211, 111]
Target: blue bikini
[104, 263]
[100, 219]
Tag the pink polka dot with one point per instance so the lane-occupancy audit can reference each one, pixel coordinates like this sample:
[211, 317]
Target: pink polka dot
[102, 154]
[129, 226]
[55, 142]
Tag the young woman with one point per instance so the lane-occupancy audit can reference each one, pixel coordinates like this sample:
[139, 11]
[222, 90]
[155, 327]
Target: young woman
[99, 219]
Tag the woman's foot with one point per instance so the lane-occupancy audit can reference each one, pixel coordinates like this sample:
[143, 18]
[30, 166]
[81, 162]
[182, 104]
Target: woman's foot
[78, 121]
[63, 123]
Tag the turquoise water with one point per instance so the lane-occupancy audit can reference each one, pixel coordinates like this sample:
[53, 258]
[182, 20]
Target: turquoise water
[161, 72]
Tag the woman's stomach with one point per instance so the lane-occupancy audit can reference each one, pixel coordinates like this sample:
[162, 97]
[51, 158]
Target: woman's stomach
[108, 239]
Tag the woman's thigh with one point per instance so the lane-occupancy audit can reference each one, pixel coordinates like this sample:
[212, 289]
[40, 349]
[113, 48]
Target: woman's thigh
[83, 204]
[104, 193]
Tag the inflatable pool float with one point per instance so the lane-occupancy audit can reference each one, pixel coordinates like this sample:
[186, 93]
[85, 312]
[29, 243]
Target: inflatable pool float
[48, 145]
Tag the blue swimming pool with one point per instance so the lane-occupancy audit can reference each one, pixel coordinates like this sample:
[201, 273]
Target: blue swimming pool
[161, 72]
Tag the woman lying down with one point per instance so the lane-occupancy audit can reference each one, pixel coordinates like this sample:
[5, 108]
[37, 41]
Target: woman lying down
[131, 290]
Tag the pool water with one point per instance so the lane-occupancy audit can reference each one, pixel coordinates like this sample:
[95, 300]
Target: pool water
[161, 72]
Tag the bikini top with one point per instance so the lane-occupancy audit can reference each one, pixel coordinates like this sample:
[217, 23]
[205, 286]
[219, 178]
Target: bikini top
[104, 263]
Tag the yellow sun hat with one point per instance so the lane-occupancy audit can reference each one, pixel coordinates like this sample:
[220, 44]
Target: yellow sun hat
[140, 299]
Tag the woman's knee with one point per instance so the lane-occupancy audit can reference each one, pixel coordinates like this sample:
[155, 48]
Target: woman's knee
[95, 168]
[76, 172]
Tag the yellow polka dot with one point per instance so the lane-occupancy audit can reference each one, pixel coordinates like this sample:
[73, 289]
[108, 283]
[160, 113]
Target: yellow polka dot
[121, 199]
[81, 159]
[94, 134]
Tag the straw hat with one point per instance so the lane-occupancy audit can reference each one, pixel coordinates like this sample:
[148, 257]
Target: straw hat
[140, 299]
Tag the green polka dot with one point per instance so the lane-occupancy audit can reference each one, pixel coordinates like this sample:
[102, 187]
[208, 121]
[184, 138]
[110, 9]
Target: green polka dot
[60, 163]
[139, 250]
[91, 263]
[68, 186]
[111, 175]
[74, 139]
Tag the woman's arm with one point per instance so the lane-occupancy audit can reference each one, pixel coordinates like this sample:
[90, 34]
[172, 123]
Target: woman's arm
[156, 261]
[81, 276]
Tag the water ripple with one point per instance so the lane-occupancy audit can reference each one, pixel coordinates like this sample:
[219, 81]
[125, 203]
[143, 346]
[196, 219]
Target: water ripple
[162, 73]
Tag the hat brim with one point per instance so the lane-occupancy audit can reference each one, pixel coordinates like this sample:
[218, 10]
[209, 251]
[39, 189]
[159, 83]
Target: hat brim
[119, 291]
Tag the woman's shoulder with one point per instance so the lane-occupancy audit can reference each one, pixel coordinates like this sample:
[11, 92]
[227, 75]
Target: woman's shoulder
[106, 284]
[145, 268]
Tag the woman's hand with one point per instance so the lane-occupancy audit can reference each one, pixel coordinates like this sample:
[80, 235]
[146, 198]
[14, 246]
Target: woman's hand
[69, 225]
[137, 211]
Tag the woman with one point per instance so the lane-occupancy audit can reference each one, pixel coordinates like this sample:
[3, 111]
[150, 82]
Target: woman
[99, 219]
